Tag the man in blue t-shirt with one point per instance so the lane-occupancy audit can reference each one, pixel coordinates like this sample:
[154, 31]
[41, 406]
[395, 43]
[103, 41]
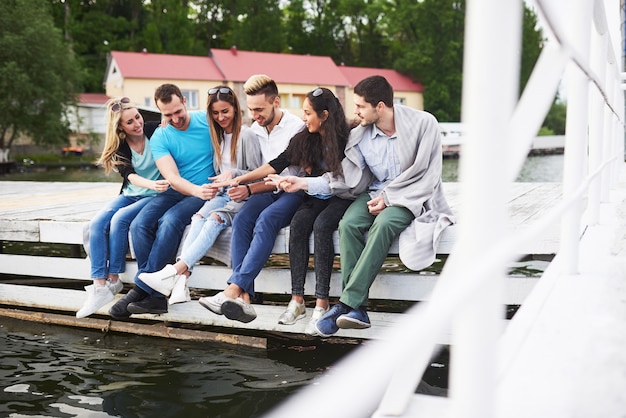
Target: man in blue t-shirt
[184, 155]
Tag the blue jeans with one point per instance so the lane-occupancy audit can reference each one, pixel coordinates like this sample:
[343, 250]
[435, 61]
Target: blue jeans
[254, 231]
[108, 235]
[157, 230]
[204, 231]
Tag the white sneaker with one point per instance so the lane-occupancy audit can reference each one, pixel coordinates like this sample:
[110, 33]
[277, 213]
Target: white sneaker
[294, 312]
[180, 293]
[97, 297]
[116, 287]
[162, 281]
[318, 312]
[214, 303]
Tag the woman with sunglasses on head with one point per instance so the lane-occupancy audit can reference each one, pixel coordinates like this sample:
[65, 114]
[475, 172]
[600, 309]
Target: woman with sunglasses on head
[127, 151]
[312, 152]
[237, 151]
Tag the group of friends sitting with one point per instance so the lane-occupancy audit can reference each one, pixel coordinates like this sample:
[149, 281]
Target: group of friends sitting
[372, 182]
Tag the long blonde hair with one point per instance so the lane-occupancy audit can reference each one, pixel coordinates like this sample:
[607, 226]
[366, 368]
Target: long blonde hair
[217, 132]
[114, 136]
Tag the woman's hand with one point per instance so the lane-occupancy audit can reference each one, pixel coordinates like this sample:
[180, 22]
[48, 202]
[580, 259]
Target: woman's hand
[161, 185]
[222, 177]
[289, 184]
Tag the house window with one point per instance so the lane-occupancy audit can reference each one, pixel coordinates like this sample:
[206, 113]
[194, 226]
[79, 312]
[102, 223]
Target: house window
[192, 98]
[295, 101]
[399, 100]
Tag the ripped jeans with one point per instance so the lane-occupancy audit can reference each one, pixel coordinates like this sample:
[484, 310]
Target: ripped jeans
[204, 230]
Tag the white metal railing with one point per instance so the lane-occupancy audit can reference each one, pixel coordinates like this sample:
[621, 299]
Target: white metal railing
[380, 378]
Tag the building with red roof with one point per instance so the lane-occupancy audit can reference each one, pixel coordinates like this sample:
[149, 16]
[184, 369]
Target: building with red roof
[137, 74]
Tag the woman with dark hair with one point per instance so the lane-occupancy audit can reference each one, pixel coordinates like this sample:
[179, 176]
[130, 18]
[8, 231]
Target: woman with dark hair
[127, 151]
[237, 151]
[312, 152]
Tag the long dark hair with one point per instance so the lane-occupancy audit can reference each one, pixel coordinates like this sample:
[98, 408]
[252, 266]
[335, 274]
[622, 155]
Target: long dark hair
[323, 150]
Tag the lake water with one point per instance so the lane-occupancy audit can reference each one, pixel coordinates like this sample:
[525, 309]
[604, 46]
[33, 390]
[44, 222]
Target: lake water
[544, 168]
[60, 372]
[55, 371]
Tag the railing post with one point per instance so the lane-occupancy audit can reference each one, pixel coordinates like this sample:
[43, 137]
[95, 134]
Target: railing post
[578, 28]
[490, 92]
[596, 122]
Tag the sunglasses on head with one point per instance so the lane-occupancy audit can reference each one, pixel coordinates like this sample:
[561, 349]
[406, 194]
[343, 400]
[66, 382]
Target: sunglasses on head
[317, 92]
[117, 106]
[223, 90]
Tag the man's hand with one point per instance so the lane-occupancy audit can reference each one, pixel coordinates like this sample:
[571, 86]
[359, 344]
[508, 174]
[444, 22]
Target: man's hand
[376, 205]
[206, 191]
[238, 193]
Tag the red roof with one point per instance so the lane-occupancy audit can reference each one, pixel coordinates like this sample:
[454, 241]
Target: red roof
[93, 98]
[238, 66]
[165, 66]
[398, 81]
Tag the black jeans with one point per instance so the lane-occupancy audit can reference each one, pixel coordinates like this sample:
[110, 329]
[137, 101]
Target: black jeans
[320, 216]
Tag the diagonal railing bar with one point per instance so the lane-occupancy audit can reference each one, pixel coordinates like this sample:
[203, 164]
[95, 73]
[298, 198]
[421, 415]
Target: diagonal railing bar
[550, 20]
[533, 106]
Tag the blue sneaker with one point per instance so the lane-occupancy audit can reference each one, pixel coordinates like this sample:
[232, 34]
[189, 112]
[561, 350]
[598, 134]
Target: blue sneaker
[355, 319]
[327, 324]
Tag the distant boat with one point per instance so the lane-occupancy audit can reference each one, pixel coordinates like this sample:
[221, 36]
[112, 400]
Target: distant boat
[451, 138]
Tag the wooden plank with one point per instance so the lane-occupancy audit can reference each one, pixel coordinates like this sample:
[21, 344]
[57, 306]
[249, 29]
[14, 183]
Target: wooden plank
[387, 286]
[189, 313]
[19, 231]
[152, 330]
[78, 202]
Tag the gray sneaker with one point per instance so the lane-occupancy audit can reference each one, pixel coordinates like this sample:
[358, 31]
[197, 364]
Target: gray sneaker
[294, 312]
[116, 287]
[238, 310]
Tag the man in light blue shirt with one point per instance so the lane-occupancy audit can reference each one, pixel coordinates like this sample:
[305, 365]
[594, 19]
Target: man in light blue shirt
[393, 169]
[184, 154]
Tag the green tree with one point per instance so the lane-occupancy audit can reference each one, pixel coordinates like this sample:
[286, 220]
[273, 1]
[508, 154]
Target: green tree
[367, 34]
[259, 26]
[555, 119]
[428, 47]
[532, 43]
[37, 75]
[93, 29]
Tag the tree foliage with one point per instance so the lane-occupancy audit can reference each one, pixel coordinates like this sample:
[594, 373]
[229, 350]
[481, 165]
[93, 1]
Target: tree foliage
[421, 39]
[37, 74]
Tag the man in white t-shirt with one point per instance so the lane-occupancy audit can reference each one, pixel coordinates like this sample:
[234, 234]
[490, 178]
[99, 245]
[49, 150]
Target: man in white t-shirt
[258, 222]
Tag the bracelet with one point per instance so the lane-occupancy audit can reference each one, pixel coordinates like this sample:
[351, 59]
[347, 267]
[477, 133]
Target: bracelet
[249, 190]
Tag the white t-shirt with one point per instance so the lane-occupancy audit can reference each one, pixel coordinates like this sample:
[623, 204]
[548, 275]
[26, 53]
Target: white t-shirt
[274, 143]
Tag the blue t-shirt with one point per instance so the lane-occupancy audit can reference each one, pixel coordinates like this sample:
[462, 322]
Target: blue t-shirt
[191, 149]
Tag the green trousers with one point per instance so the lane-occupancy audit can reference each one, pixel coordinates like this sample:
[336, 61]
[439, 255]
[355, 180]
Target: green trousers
[361, 260]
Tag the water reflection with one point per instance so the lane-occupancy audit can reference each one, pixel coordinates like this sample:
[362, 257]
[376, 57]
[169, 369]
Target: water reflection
[536, 168]
[54, 371]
